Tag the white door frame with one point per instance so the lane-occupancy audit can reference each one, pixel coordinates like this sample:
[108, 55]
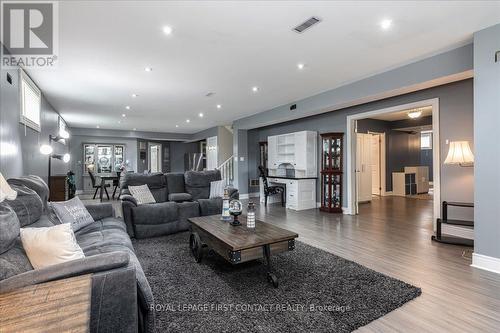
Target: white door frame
[160, 157]
[351, 151]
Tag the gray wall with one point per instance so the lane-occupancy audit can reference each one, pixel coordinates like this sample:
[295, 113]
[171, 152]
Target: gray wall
[402, 148]
[456, 116]
[225, 144]
[177, 152]
[20, 145]
[487, 137]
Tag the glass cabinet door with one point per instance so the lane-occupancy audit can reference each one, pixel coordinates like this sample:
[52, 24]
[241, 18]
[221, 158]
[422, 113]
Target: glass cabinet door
[104, 158]
[326, 153]
[89, 158]
[119, 157]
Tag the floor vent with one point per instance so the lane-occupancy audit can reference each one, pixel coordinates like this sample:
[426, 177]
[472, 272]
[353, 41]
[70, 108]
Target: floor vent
[306, 25]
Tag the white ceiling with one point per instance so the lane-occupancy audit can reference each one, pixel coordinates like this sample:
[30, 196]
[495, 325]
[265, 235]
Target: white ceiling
[401, 115]
[227, 47]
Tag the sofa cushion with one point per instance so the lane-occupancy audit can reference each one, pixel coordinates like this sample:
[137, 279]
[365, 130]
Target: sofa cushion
[51, 245]
[175, 182]
[27, 205]
[156, 182]
[210, 206]
[36, 184]
[14, 261]
[179, 197]
[73, 212]
[9, 228]
[157, 213]
[198, 182]
[142, 194]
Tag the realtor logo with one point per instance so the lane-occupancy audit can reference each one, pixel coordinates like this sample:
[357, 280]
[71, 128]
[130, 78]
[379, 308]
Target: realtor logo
[29, 34]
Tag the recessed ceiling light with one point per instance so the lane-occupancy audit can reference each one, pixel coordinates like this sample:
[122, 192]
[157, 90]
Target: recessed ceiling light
[255, 89]
[124, 115]
[148, 69]
[300, 66]
[119, 121]
[219, 106]
[187, 120]
[134, 95]
[176, 126]
[167, 30]
[135, 129]
[385, 24]
[127, 107]
[200, 114]
[98, 126]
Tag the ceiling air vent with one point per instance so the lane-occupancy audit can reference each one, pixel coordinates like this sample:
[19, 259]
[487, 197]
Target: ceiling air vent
[306, 25]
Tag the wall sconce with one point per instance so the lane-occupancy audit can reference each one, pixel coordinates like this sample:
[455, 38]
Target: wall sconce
[48, 150]
[460, 153]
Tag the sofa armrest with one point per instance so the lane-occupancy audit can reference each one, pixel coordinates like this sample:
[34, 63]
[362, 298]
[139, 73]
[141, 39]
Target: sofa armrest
[129, 198]
[233, 193]
[87, 265]
[100, 211]
[128, 203]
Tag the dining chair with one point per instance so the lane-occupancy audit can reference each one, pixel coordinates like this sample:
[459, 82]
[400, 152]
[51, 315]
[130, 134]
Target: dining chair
[271, 190]
[97, 185]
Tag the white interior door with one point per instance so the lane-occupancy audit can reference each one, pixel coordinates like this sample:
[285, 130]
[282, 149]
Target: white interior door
[375, 158]
[155, 157]
[363, 167]
[212, 153]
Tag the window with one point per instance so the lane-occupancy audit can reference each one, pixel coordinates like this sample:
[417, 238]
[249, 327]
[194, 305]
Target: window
[30, 102]
[62, 128]
[426, 140]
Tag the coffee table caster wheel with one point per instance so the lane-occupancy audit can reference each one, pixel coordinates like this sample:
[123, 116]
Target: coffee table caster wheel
[196, 246]
[272, 279]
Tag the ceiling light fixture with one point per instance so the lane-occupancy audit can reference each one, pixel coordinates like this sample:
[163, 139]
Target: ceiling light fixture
[415, 113]
[187, 120]
[255, 89]
[219, 106]
[167, 30]
[98, 126]
[127, 107]
[176, 126]
[386, 24]
[124, 115]
[148, 69]
[300, 66]
[200, 114]
[134, 95]
[135, 129]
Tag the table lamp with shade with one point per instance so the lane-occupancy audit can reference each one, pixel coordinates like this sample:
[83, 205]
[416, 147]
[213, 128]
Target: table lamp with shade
[460, 153]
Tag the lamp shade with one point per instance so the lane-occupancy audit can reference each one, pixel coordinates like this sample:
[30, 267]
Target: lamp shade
[459, 153]
[6, 192]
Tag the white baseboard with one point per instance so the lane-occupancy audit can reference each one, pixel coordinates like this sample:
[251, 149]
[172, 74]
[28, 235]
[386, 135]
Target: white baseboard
[244, 196]
[78, 192]
[487, 263]
[387, 194]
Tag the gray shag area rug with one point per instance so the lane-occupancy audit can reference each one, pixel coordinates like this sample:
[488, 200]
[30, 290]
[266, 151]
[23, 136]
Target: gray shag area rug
[318, 291]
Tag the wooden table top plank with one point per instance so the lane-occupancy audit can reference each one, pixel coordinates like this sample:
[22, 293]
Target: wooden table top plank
[240, 237]
[57, 306]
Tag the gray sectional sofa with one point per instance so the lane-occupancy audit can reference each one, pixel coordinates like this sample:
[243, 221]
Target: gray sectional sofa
[178, 196]
[121, 297]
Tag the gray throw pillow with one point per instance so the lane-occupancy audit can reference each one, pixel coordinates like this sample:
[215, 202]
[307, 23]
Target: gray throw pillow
[27, 205]
[74, 212]
[9, 228]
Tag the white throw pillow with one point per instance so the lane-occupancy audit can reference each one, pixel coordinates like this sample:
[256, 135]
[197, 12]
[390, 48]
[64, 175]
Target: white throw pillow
[50, 245]
[142, 194]
[217, 189]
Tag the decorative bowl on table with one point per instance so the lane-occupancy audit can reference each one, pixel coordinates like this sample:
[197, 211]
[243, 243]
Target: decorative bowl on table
[235, 209]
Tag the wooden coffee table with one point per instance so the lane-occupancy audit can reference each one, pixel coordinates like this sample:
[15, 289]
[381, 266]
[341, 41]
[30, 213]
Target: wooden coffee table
[238, 244]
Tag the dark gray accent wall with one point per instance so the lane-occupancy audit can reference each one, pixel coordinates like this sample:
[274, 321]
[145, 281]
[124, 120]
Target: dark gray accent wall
[20, 145]
[456, 116]
[487, 137]
[402, 148]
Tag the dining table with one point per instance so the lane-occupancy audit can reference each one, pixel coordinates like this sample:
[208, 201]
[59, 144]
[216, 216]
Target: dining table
[104, 177]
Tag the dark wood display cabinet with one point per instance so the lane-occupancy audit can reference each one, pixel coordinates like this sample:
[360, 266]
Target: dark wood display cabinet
[332, 148]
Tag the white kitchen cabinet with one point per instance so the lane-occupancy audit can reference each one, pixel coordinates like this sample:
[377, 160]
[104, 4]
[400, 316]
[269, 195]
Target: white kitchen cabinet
[298, 149]
[300, 193]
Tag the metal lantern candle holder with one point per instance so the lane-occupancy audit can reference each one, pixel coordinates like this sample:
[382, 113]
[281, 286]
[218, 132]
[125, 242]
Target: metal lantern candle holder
[235, 209]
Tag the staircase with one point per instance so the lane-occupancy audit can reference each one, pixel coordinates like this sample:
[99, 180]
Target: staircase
[227, 171]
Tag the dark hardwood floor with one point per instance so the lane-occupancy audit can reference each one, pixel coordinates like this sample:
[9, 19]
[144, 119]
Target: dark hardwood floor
[392, 235]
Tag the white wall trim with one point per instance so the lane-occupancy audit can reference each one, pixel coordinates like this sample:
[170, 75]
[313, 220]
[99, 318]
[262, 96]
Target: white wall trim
[351, 151]
[486, 263]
